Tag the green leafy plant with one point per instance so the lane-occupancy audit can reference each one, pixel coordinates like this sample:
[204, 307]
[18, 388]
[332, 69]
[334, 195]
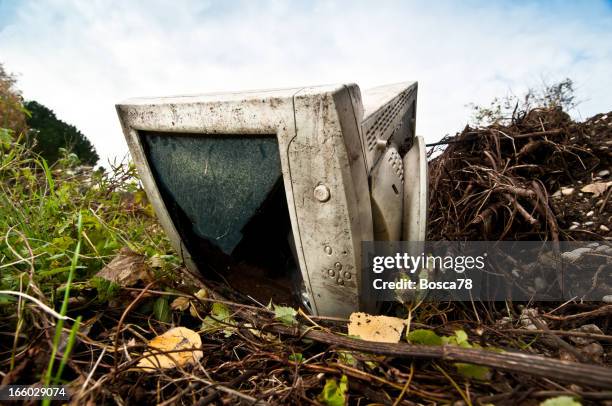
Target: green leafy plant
[425, 337]
[40, 205]
[334, 392]
[285, 315]
[59, 225]
[106, 290]
[347, 357]
[220, 318]
[460, 338]
[161, 310]
[561, 401]
[296, 357]
[473, 371]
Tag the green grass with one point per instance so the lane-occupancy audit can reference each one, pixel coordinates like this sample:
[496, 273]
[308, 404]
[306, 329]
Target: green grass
[60, 322]
[59, 225]
[39, 210]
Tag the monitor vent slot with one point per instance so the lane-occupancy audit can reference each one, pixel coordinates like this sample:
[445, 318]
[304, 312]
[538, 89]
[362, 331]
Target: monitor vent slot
[387, 117]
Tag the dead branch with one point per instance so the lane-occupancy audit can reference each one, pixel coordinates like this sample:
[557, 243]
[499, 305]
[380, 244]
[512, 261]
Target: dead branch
[566, 371]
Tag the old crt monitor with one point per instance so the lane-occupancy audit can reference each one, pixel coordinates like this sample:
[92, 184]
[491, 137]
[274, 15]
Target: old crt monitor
[274, 191]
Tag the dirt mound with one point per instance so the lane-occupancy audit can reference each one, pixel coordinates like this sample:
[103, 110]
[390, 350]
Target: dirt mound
[543, 176]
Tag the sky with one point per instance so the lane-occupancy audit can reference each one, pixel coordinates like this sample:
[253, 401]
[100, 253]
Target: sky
[80, 58]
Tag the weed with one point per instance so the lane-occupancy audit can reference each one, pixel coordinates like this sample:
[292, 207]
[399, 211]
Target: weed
[59, 225]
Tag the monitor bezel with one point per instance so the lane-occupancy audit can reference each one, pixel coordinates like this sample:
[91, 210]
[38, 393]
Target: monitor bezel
[318, 130]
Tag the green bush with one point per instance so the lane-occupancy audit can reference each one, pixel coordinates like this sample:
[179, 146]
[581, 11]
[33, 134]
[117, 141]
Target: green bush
[39, 208]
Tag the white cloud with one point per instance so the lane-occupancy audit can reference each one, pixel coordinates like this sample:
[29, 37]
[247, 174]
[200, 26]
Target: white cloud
[80, 58]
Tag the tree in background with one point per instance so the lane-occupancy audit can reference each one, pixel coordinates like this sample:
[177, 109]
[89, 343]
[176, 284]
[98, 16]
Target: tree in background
[504, 110]
[12, 111]
[44, 132]
[48, 135]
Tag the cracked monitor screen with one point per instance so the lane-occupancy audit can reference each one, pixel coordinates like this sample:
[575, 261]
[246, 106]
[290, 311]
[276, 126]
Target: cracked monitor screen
[225, 196]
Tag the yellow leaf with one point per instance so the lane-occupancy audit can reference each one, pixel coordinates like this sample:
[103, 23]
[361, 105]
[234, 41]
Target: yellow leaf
[382, 329]
[202, 294]
[177, 338]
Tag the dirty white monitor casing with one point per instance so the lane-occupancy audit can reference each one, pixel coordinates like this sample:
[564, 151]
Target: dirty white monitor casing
[332, 141]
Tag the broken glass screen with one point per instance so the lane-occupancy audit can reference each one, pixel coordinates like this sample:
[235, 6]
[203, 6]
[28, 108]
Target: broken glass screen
[213, 183]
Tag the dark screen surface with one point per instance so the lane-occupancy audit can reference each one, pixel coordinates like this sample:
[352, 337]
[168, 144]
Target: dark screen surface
[217, 183]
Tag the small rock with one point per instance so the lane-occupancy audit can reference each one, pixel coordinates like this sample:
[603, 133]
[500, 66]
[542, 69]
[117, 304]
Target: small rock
[604, 228]
[589, 214]
[574, 255]
[526, 319]
[593, 351]
[603, 173]
[607, 299]
[588, 223]
[566, 356]
[566, 191]
[575, 223]
[573, 227]
[557, 194]
[575, 388]
[587, 328]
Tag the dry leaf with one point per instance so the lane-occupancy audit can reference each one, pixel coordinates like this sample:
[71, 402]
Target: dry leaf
[194, 312]
[597, 188]
[201, 294]
[383, 329]
[180, 303]
[264, 336]
[174, 339]
[126, 269]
